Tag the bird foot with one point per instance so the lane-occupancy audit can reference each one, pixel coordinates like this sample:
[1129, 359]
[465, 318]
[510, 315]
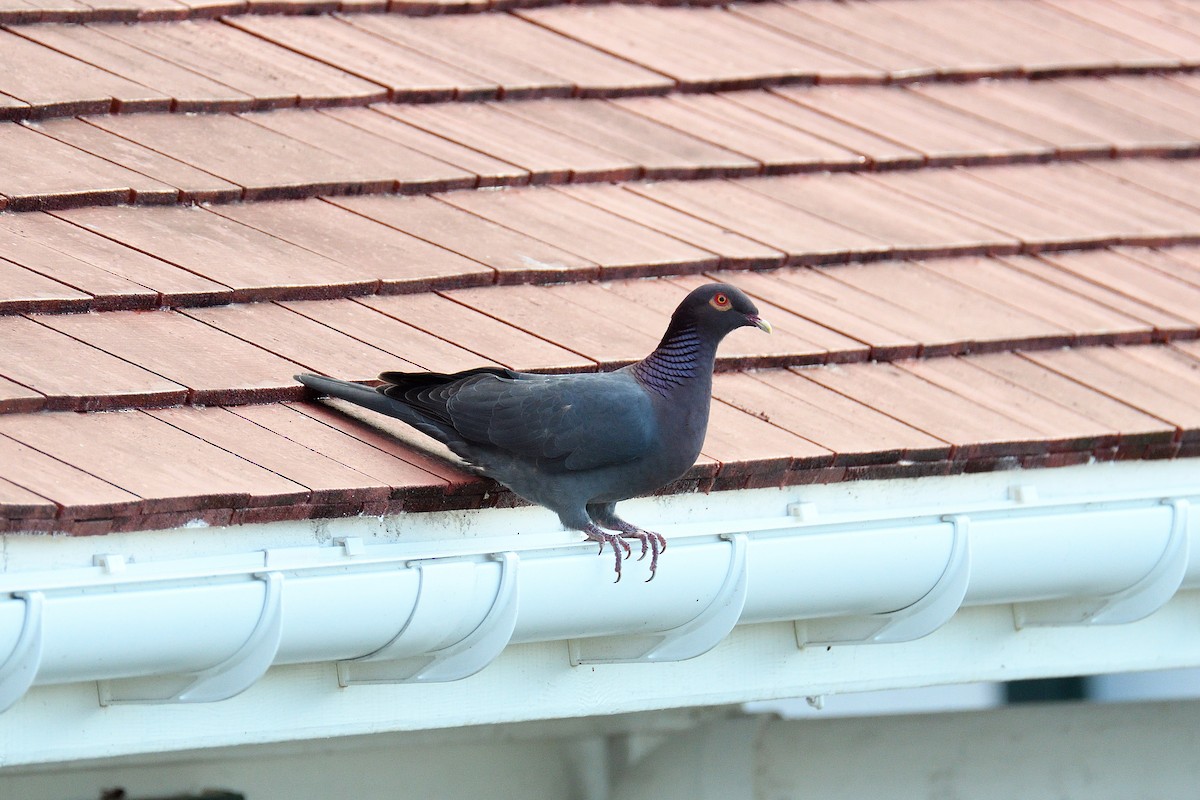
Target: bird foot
[656, 543]
[620, 548]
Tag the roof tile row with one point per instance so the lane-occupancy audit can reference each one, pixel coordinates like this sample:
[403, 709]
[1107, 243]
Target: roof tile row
[245, 353]
[127, 257]
[156, 158]
[108, 471]
[266, 60]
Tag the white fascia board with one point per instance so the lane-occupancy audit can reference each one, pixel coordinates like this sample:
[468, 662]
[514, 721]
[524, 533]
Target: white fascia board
[196, 614]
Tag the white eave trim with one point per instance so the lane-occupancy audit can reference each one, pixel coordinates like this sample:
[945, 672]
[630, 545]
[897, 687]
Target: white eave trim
[152, 620]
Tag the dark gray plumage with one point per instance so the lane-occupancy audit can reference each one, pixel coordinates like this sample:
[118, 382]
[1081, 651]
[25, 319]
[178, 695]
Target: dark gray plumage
[576, 443]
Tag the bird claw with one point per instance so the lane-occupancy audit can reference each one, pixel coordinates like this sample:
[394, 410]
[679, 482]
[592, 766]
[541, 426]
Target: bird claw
[615, 542]
[656, 543]
[653, 543]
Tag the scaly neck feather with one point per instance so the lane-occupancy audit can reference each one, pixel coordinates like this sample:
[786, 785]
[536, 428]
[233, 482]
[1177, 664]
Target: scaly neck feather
[680, 356]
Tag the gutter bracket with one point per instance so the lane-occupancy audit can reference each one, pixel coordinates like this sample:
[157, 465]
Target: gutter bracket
[439, 585]
[693, 638]
[1136, 602]
[18, 671]
[231, 677]
[933, 610]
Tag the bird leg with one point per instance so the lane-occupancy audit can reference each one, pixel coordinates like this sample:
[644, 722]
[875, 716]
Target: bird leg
[604, 514]
[594, 534]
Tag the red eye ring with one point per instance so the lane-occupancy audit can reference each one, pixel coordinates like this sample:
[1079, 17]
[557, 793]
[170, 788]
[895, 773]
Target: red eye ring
[721, 299]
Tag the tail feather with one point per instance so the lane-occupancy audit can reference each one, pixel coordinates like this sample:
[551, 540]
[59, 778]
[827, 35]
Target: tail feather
[375, 400]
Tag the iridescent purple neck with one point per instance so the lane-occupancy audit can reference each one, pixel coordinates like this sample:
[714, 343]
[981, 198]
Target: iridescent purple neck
[681, 355]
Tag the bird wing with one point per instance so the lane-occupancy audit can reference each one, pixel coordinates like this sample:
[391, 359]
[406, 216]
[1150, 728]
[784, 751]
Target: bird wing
[577, 422]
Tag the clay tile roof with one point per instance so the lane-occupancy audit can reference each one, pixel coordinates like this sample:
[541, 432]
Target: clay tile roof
[975, 225]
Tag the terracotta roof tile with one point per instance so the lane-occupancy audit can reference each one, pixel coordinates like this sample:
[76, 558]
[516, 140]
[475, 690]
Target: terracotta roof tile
[1162, 321]
[1133, 279]
[1172, 179]
[1032, 41]
[179, 87]
[1087, 198]
[548, 155]
[208, 362]
[382, 121]
[495, 341]
[42, 172]
[891, 330]
[965, 319]
[1177, 263]
[17, 398]
[745, 445]
[855, 432]
[1133, 25]
[707, 48]
[1060, 27]
[271, 74]
[72, 374]
[805, 237]
[280, 167]
[250, 262]
[961, 192]
[168, 469]
[190, 183]
[791, 18]
[412, 471]
[912, 227]
[1061, 426]
[1113, 373]
[878, 150]
[619, 246]
[1086, 319]
[507, 251]
[524, 59]
[937, 44]
[733, 249]
[1130, 424]
[328, 481]
[118, 276]
[595, 328]
[363, 247]
[299, 339]
[24, 290]
[430, 147]
[55, 84]
[411, 169]
[716, 119]
[1167, 103]
[937, 132]
[387, 334]
[305, 425]
[82, 495]
[407, 74]
[659, 151]
[17, 503]
[970, 428]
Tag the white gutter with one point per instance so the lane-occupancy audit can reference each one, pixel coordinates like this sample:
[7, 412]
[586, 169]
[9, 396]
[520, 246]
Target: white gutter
[206, 628]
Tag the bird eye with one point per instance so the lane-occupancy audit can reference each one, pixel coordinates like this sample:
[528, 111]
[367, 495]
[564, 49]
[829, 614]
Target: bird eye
[720, 301]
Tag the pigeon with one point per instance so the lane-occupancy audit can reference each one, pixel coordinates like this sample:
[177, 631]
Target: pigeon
[576, 443]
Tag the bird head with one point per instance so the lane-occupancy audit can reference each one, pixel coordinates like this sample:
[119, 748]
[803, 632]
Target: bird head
[718, 308]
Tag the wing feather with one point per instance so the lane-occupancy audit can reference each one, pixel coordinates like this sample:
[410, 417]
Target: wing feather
[578, 422]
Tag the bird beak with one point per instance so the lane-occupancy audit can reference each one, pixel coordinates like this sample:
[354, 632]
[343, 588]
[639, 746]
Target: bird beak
[759, 322]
